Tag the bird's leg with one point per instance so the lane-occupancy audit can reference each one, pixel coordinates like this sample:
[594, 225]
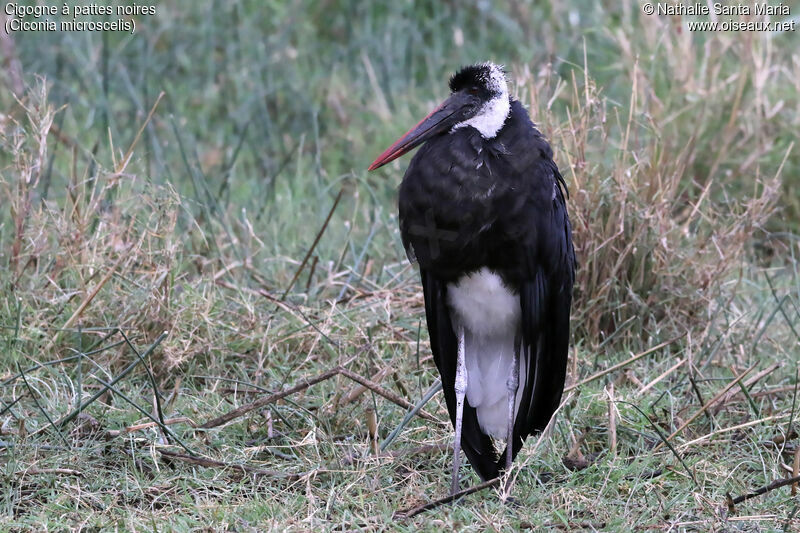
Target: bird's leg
[461, 391]
[512, 384]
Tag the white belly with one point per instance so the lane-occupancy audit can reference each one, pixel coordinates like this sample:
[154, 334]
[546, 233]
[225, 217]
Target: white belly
[490, 314]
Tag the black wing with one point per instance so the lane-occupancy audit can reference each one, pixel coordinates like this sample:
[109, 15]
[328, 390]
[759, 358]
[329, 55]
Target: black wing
[437, 234]
[548, 274]
[477, 446]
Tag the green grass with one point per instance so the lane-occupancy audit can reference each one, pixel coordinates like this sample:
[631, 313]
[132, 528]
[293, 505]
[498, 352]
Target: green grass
[679, 152]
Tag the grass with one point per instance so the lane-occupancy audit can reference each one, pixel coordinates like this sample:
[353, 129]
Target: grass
[125, 215]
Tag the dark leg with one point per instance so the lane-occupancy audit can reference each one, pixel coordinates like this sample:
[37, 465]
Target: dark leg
[461, 391]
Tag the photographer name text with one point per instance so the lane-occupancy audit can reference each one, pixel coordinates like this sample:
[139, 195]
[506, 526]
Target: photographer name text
[720, 9]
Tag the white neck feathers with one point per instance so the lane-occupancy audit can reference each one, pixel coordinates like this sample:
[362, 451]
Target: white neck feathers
[490, 119]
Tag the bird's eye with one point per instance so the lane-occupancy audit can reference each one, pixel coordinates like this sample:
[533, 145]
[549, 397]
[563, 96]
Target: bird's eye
[473, 91]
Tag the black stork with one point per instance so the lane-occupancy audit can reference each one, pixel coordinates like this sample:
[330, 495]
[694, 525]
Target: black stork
[482, 211]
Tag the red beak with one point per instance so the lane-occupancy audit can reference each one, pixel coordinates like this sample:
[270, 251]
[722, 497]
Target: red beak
[441, 119]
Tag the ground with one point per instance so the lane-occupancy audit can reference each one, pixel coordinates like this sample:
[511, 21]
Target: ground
[187, 226]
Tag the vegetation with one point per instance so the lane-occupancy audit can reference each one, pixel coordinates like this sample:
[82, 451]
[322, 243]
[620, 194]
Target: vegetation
[168, 258]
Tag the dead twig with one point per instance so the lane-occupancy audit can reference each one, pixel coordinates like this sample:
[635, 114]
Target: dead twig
[612, 421]
[314, 244]
[666, 373]
[414, 511]
[623, 364]
[572, 526]
[769, 392]
[147, 425]
[747, 385]
[120, 167]
[358, 390]
[372, 426]
[272, 398]
[89, 297]
[392, 397]
[426, 448]
[212, 463]
[702, 410]
[38, 471]
[707, 437]
[758, 492]
[650, 474]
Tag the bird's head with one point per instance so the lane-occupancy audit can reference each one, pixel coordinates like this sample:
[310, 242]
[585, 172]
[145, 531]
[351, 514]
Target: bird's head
[478, 98]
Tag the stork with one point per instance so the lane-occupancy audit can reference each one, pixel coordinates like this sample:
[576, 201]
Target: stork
[483, 213]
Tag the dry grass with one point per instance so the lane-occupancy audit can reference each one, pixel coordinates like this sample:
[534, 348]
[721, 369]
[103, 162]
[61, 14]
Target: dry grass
[688, 277]
[656, 238]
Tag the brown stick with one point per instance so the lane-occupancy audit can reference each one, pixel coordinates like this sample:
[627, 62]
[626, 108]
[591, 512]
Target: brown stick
[747, 385]
[147, 425]
[124, 162]
[89, 297]
[62, 471]
[313, 245]
[702, 410]
[732, 428]
[358, 390]
[612, 421]
[666, 373]
[426, 448]
[211, 463]
[573, 526]
[623, 363]
[414, 511]
[372, 427]
[272, 398]
[758, 492]
[392, 397]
